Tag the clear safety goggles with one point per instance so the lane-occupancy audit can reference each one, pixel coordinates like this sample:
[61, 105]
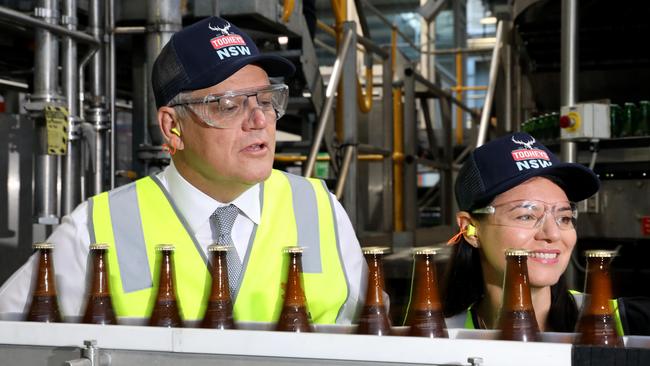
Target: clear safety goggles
[226, 110]
[531, 214]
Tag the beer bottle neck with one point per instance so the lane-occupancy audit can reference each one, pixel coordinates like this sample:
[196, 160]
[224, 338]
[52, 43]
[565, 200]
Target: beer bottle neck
[166, 282]
[599, 284]
[374, 293]
[295, 294]
[45, 281]
[100, 274]
[220, 287]
[516, 291]
[426, 286]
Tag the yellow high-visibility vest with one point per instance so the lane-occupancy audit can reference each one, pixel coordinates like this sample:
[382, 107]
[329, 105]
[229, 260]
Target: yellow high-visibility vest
[296, 211]
[577, 296]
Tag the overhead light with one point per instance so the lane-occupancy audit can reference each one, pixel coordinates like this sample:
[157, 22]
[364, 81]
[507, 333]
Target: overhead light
[481, 43]
[489, 20]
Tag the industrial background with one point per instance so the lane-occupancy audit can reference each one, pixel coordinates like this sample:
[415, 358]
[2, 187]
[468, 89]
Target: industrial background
[420, 84]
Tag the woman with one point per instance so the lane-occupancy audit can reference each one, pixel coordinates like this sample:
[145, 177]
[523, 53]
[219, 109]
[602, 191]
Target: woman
[514, 193]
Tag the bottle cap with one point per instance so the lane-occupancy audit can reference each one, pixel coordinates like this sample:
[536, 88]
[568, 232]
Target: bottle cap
[293, 250]
[98, 246]
[218, 248]
[43, 245]
[165, 247]
[375, 250]
[515, 252]
[426, 250]
[600, 253]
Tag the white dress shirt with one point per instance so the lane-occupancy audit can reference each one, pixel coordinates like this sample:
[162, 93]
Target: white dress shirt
[72, 239]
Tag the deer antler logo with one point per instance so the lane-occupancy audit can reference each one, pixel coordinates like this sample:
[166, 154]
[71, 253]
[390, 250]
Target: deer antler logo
[224, 31]
[528, 145]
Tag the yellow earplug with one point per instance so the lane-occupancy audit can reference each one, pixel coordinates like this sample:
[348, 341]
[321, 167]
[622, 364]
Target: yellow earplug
[470, 230]
[176, 132]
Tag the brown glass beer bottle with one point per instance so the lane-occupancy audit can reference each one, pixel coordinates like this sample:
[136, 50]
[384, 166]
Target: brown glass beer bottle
[426, 318]
[517, 319]
[99, 309]
[596, 324]
[218, 314]
[165, 310]
[45, 304]
[294, 316]
[374, 317]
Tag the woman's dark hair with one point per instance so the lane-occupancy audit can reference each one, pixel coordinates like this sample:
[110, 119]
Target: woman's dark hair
[563, 314]
[463, 286]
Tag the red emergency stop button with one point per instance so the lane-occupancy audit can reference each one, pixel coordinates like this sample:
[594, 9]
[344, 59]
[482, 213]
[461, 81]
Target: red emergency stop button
[566, 122]
[645, 225]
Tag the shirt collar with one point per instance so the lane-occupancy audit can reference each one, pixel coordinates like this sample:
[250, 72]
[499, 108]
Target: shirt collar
[196, 206]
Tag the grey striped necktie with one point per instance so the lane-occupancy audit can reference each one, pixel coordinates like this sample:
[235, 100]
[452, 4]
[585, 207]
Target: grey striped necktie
[224, 218]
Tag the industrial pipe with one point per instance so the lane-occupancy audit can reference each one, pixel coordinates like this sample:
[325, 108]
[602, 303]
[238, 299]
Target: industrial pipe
[46, 56]
[23, 19]
[569, 69]
[288, 9]
[398, 146]
[163, 20]
[111, 89]
[98, 114]
[345, 169]
[489, 97]
[459, 96]
[329, 101]
[216, 8]
[441, 93]
[71, 177]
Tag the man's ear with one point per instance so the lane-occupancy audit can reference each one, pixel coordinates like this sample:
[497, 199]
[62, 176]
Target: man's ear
[170, 127]
[468, 227]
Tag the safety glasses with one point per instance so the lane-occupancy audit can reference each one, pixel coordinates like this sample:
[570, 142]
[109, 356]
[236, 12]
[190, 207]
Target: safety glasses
[531, 214]
[228, 109]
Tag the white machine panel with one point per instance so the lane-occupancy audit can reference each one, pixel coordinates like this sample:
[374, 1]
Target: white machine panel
[585, 120]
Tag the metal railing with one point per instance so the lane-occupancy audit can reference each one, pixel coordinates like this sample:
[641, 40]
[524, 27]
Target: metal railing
[56, 29]
[489, 96]
[329, 102]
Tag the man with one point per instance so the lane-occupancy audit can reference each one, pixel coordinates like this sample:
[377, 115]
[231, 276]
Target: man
[217, 111]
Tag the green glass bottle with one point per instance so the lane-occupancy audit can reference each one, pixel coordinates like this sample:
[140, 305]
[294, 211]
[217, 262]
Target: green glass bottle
[555, 125]
[616, 120]
[538, 127]
[525, 127]
[547, 127]
[629, 120]
[643, 129]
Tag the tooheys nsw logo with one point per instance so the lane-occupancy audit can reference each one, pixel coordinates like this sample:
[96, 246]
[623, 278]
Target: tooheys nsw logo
[228, 44]
[529, 157]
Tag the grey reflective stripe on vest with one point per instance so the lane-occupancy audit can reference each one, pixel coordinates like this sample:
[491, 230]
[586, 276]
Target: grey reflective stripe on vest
[129, 238]
[305, 208]
[458, 320]
[89, 221]
[578, 297]
[349, 307]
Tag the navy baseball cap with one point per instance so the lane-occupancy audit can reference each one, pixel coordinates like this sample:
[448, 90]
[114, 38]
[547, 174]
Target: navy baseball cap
[505, 162]
[205, 54]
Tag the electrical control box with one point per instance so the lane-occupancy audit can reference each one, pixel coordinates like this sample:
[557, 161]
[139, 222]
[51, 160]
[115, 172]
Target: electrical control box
[585, 120]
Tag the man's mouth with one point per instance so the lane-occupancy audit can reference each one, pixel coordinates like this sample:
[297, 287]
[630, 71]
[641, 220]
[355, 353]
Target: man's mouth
[255, 147]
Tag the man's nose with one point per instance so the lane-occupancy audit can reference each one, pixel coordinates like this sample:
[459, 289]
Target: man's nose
[256, 116]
